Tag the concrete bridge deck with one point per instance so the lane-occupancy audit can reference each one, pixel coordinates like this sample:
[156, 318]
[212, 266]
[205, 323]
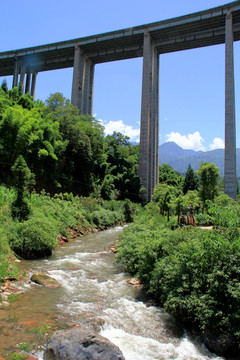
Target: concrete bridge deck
[186, 32]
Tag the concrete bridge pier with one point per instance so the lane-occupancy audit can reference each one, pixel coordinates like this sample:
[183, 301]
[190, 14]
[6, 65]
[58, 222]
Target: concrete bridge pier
[230, 183]
[28, 80]
[149, 129]
[33, 84]
[88, 87]
[28, 86]
[22, 77]
[16, 72]
[82, 85]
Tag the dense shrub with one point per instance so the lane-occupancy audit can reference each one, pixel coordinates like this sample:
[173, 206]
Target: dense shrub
[193, 273]
[51, 217]
[6, 267]
[33, 238]
[203, 219]
[198, 281]
[104, 218]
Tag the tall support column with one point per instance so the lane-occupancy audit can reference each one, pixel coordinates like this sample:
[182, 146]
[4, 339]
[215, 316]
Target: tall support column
[230, 183]
[78, 78]
[154, 126]
[148, 156]
[33, 85]
[15, 74]
[88, 87]
[28, 81]
[22, 78]
[90, 92]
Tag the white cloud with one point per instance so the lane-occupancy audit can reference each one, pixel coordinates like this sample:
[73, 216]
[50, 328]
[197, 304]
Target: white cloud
[191, 141]
[217, 143]
[124, 129]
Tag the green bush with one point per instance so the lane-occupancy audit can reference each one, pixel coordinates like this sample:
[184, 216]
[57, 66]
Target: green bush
[49, 218]
[20, 209]
[7, 266]
[105, 218]
[198, 282]
[193, 273]
[33, 238]
[203, 219]
[6, 195]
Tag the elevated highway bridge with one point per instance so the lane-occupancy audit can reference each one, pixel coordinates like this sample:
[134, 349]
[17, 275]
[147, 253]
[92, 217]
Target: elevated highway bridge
[219, 25]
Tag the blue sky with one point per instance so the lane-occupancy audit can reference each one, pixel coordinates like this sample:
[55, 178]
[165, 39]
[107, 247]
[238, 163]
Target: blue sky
[191, 107]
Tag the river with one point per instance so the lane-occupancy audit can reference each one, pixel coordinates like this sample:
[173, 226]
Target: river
[95, 292]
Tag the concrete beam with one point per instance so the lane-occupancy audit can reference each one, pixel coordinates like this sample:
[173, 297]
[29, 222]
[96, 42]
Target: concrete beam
[204, 28]
[230, 183]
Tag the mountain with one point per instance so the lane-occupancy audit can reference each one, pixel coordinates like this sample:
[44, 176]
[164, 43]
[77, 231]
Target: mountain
[172, 154]
[173, 150]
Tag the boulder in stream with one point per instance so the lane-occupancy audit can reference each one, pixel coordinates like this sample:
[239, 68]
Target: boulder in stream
[81, 343]
[222, 345]
[45, 280]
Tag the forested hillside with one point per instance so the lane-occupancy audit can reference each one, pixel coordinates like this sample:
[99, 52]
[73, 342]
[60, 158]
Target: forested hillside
[172, 154]
[64, 151]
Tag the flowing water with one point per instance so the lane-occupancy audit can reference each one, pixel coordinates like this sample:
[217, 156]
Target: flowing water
[95, 293]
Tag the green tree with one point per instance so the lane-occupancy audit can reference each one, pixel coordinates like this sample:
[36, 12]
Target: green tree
[128, 211]
[83, 160]
[20, 89]
[24, 180]
[108, 190]
[26, 101]
[165, 195]
[122, 164]
[56, 102]
[191, 180]
[24, 132]
[209, 177]
[178, 204]
[5, 102]
[169, 176]
[4, 86]
[14, 95]
[192, 200]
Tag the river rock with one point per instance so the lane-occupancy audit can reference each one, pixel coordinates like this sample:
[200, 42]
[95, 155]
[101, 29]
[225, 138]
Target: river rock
[134, 281]
[81, 343]
[45, 280]
[222, 345]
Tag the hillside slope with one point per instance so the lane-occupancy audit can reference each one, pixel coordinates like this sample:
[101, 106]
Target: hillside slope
[169, 153]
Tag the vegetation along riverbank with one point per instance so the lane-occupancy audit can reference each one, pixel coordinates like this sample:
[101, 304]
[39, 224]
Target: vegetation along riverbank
[60, 177]
[52, 220]
[51, 159]
[192, 272]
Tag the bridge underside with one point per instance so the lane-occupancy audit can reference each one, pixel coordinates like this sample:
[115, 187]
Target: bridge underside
[210, 27]
[186, 32]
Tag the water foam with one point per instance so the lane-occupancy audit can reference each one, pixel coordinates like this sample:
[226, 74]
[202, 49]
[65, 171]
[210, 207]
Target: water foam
[142, 348]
